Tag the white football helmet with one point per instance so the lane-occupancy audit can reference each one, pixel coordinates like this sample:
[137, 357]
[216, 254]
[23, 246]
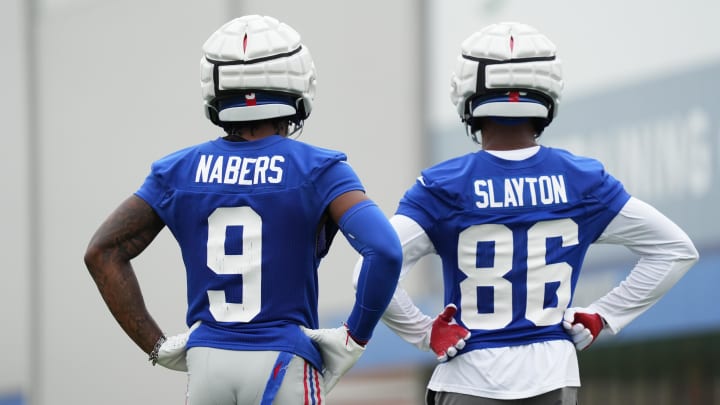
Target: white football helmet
[255, 67]
[507, 70]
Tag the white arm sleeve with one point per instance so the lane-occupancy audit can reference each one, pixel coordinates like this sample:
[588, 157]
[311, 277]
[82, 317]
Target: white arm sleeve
[402, 316]
[666, 254]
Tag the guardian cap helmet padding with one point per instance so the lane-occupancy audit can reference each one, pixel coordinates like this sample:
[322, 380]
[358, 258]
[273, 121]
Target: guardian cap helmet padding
[255, 67]
[507, 70]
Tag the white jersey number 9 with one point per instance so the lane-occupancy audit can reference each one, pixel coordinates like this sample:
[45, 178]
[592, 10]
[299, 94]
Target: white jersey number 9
[247, 264]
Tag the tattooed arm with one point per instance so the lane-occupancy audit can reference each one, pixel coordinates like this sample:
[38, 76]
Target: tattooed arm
[123, 236]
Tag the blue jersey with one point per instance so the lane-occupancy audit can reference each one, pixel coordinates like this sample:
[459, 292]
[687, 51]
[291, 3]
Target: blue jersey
[250, 219]
[512, 236]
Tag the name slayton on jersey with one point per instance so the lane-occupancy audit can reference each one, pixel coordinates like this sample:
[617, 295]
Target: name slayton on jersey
[520, 191]
[243, 171]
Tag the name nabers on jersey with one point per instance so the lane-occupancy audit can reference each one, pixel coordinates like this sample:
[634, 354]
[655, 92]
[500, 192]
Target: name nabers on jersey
[245, 171]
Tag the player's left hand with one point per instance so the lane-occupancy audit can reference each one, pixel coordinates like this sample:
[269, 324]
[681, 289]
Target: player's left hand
[172, 352]
[583, 326]
[339, 352]
[446, 336]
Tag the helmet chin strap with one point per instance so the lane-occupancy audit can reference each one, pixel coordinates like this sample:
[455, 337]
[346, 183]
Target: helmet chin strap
[295, 127]
[473, 135]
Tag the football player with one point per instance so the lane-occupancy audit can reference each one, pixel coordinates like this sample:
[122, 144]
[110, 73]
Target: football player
[511, 224]
[254, 212]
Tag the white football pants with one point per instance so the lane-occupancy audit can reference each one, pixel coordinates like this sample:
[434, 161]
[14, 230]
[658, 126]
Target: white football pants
[229, 377]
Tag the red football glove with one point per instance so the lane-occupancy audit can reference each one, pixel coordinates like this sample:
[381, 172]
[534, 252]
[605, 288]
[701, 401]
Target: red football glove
[446, 336]
[582, 326]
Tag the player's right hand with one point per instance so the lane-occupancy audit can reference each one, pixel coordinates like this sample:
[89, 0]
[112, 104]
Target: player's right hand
[446, 336]
[172, 352]
[583, 326]
[339, 352]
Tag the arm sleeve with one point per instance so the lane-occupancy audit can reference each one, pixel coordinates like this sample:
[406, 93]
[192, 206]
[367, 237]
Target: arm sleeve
[666, 254]
[402, 316]
[369, 232]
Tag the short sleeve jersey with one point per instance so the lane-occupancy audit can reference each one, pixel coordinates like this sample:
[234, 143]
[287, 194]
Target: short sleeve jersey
[249, 218]
[512, 236]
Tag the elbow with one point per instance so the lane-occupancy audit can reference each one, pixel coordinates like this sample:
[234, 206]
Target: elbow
[392, 256]
[93, 258]
[679, 249]
[689, 251]
[382, 260]
[685, 258]
[693, 255]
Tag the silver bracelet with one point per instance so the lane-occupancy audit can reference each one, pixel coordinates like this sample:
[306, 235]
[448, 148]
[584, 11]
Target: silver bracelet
[154, 353]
